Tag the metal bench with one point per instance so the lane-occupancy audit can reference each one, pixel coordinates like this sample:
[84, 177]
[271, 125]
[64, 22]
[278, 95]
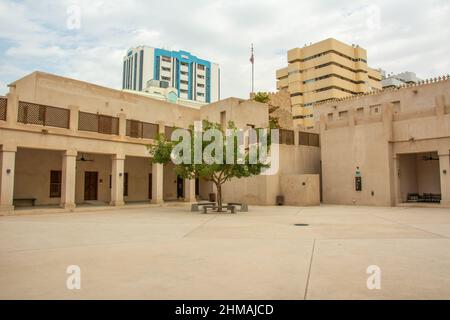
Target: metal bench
[21, 202]
[244, 206]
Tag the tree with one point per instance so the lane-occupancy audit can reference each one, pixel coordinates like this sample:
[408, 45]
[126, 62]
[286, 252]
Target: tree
[242, 165]
[264, 97]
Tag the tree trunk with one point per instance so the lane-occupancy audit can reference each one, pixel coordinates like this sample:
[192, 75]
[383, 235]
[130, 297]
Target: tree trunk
[219, 197]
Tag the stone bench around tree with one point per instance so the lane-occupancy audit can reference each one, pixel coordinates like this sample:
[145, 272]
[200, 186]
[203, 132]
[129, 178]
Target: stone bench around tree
[228, 207]
[244, 206]
[195, 207]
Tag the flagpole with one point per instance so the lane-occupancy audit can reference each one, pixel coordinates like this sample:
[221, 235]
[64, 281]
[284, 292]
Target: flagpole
[253, 71]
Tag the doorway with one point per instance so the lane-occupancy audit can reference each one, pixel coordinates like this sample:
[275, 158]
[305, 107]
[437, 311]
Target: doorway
[90, 185]
[180, 189]
[419, 175]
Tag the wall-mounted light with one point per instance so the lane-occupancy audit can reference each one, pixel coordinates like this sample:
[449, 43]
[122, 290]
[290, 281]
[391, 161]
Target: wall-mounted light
[8, 171]
[444, 171]
[120, 174]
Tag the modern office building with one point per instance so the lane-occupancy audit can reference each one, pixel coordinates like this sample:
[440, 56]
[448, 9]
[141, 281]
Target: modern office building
[195, 79]
[398, 80]
[323, 71]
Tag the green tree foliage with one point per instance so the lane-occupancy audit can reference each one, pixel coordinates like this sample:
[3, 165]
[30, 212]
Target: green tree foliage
[218, 173]
[262, 97]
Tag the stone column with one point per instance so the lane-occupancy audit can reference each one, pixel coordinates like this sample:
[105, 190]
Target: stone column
[157, 183]
[189, 190]
[122, 124]
[117, 178]
[396, 180]
[12, 107]
[68, 178]
[7, 166]
[74, 113]
[444, 168]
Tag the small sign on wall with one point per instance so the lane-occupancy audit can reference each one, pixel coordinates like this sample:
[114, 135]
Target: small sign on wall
[358, 180]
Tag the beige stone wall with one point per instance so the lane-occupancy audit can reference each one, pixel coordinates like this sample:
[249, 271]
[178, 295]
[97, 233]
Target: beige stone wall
[300, 190]
[374, 132]
[293, 160]
[32, 179]
[241, 112]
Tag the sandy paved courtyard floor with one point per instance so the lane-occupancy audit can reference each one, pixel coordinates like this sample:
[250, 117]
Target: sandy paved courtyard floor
[170, 253]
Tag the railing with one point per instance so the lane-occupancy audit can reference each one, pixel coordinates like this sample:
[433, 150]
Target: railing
[3, 103]
[98, 123]
[308, 139]
[139, 129]
[286, 137]
[32, 113]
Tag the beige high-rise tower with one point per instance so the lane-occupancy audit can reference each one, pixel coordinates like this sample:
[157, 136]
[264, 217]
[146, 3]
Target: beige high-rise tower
[323, 71]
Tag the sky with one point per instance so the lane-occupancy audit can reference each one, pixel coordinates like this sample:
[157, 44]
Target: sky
[87, 39]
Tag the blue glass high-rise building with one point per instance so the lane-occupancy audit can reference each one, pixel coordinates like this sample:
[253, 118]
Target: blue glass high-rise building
[194, 78]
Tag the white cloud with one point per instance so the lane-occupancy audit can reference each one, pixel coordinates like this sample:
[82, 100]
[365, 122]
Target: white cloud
[399, 36]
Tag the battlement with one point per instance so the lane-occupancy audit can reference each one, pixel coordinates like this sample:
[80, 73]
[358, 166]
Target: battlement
[421, 83]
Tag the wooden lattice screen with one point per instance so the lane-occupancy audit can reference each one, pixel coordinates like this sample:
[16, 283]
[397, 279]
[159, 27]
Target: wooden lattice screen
[138, 129]
[308, 139]
[32, 113]
[286, 136]
[3, 103]
[98, 123]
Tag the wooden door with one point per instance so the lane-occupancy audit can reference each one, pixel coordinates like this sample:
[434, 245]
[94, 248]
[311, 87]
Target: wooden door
[90, 185]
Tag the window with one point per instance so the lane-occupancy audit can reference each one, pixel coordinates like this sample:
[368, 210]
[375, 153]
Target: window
[200, 94]
[166, 59]
[342, 114]
[165, 69]
[200, 76]
[375, 109]
[308, 139]
[184, 73]
[201, 67]
[105, 124]
[165, 78]
[184, 64]
[183, 91]
[200, 85]
[286, 136]
[55, 183]
[360, 112]
[330, 116]
[184, 82]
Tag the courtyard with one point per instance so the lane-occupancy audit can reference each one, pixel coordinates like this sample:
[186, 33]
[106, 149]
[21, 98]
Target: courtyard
[167, 252]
